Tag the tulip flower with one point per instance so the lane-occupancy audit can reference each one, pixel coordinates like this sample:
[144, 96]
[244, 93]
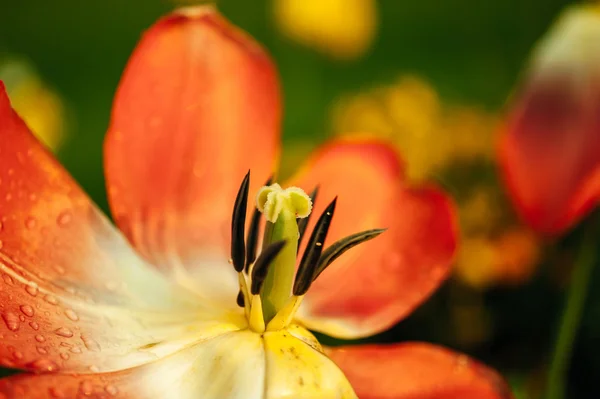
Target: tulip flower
[550, 145]
[183, 304]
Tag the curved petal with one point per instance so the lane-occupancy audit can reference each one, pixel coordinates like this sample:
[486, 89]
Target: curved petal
[208, 370]
[416, 371]
[378, 283]
[73, 294]
[549, 149]
[197, 107]
[237, 365]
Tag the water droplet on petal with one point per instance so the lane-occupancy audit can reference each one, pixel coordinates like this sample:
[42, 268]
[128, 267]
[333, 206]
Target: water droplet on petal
[64, 332]
[90, 344]
[51, 300]
[71, 315]
[32, 289]
[75, 349]
[64, 356]
[18, 355]
[30, 223]
[64, 218]
[43, 365]
[86, 388]
[27, 310]
[111, 390]
[42, 350]
[7, 279]
[40, 338]
[94, 369]
[56, 393]
[34, 325]
[11, 320]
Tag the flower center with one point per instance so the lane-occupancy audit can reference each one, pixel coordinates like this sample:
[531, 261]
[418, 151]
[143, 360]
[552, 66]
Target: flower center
[271, 290]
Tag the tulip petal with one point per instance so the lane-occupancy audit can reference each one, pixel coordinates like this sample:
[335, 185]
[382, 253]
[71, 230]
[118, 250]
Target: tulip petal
[416, 371]
[378, 283]
[549, 149]
[197, 107]
[73, 295]
[208, 370]
[297, 370]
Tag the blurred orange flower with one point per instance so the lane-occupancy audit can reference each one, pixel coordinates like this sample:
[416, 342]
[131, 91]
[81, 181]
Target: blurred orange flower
[453, 144]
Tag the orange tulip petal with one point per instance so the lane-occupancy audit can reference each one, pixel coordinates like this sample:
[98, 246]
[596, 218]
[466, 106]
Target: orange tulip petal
[378, 283]
[73, 294]
[208, 370]
[416, 371]
[549, 150]
[197, 107]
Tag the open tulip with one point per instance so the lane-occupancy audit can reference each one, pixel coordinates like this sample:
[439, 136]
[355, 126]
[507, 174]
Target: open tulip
[549, 148]
[89, 313]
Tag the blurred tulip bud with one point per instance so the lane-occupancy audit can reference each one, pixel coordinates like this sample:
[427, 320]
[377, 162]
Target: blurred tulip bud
[549, 148]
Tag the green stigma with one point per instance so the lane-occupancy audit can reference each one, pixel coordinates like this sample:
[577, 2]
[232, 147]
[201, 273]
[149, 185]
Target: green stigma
[281, 208]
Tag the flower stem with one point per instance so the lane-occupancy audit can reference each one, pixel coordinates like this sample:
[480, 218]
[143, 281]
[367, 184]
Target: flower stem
[571, 317]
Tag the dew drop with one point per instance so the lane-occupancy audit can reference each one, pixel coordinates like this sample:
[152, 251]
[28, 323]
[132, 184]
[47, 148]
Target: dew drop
[11, 320]
[64, 332]
[94, 369]
[43, 365]
[111, 390]
[86, 388]
[7, 279]
[75, 349]
[27, 310]
[30, 223]
[40, 338]
[51, 300]
[21, 317]
[64, 356]
[56, 393]
[31, 289]
[42, 350]
[90, 344]
[64, 218]
[70, 313]
[18, 355]
[34, 325]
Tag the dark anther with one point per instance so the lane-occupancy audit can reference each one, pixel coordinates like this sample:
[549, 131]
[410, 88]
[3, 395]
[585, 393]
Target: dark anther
[339, 247]
[238, 225]
[261, 266]
[303, 223]
[252, 240]
[241, 302]
[312, 253]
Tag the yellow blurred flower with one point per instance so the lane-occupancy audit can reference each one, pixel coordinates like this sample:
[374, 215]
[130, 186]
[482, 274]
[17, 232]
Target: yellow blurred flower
[40, 107]
[453, 144]
[343, 29]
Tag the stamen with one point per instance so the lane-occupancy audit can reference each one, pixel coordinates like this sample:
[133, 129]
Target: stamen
[241, 302]
[339, 247]
[261, 266]
[286, 315]
[252, 239]
[256, 319]
[303, 223]
[311, 256]
[238, 225]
